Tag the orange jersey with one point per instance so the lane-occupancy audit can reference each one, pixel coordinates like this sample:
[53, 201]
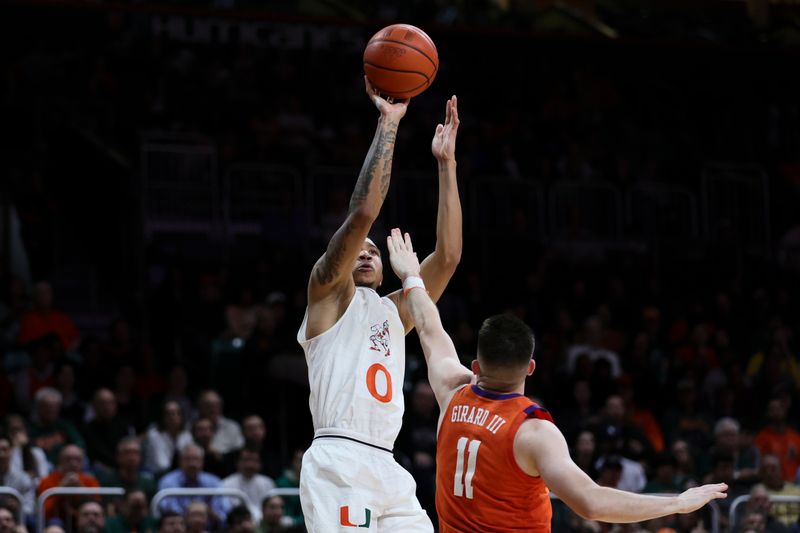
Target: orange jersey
[479, 486]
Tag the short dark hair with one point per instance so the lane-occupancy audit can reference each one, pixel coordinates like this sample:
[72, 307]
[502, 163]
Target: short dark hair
[165, 516]
[238, 514]
[505, 341]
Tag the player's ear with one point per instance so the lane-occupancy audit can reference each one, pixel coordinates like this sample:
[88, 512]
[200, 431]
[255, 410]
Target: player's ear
[476, 367]
[531, 366]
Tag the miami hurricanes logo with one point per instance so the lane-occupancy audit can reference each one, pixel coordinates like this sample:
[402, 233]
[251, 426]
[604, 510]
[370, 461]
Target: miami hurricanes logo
[380, 338]
[344, 517]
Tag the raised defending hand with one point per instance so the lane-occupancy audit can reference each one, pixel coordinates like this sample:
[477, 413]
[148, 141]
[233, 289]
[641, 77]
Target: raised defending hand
[389, 109]
[696, 497]
[401, 255]
[444, 140]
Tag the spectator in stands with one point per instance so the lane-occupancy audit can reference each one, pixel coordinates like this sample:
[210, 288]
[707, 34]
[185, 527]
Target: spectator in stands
[213, 461]
[610, 472]
[72, 407]
[584, 453]
[684, 463]
[105, 430]
[643, 419]
[190, 475]
[8, 521]
[273, 518]
[177, 387]
[615, 429]
[684, 420]
[778, 439]
[43, 318]
[69, 473]
[255, 432]
[291, 479]
[663, 479]
[197, 517]
[15, 479]
[171, 522]
[47, 429]
[24, 455]
[241, 316]
[759, 503]
[43, 352]
[753, 522]
[240, 520]
[722, 471]
[91, 518]
[228, 435]
[133, 516]
[772, 478]
[164, 440]
[727, 439]
[577, 413]
[592, 346]
[54, 528]
[120, 348]
[128, 473]
[129, 405]
[248, 480]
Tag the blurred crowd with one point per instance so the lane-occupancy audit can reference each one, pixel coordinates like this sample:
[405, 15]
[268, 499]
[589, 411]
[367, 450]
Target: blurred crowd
[663, 369]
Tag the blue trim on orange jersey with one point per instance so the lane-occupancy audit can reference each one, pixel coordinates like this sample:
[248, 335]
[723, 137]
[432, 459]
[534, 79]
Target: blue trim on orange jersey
[533, 408]
[493, 395]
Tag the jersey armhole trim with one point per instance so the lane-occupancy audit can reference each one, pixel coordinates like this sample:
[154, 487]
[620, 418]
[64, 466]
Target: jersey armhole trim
[445, 409]
[304, 325]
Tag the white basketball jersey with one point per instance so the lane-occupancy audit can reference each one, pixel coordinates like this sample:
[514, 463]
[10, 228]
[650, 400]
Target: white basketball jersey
[356, 370]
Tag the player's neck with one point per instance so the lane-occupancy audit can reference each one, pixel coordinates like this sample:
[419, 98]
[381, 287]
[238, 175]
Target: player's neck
[499, 386]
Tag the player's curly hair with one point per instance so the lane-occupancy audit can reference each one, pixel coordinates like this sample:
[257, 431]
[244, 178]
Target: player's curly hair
[505, 341]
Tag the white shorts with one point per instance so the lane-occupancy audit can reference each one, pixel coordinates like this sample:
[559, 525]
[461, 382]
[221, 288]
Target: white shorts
[348, 486]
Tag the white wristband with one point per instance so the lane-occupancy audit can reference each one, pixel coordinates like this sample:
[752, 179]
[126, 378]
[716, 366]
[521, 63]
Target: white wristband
[413, 282]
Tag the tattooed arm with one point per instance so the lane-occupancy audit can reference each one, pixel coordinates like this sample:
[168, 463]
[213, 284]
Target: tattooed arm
[331, 285]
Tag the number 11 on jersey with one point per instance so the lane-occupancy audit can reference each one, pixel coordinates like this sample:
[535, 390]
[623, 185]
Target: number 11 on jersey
[464, 481]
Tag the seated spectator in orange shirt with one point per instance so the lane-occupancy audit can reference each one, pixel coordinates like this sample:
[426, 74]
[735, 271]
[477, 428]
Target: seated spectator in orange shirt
[777, 438]
[68, 473]
[42, 319]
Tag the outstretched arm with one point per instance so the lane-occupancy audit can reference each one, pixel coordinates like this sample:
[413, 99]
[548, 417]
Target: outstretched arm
[540, 449]
[445, 371]
[331, 278]
[439, 266]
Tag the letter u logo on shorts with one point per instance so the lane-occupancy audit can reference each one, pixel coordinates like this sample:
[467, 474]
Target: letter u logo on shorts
[344, 517]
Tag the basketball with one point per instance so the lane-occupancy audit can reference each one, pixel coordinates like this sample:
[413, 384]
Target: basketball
[401, 61]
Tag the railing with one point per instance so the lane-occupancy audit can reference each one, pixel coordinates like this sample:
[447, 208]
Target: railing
[70, 491]
[746, 497]
[253, 191]
[736, 205]
[585, 210]
[168, 493]
[654, 209]
[283, 491]
[15, 493]
[180, 184]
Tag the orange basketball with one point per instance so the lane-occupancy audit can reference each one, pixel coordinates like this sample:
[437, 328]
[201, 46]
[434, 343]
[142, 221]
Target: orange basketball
[401, 61]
